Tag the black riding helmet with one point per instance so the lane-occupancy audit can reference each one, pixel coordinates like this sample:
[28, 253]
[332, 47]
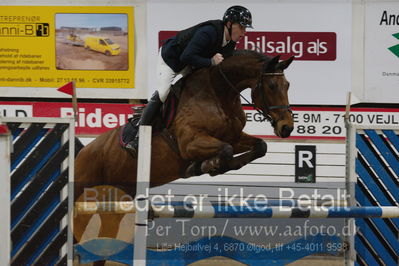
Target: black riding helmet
[238, 14]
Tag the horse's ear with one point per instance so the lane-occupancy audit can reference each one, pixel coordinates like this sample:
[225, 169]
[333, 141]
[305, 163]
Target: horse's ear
[284, 64]
[271, 66]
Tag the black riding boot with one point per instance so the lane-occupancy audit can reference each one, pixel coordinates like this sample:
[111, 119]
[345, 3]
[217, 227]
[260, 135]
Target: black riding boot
[146, 119]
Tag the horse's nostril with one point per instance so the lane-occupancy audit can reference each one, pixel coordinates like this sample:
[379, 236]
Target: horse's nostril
[286, 131]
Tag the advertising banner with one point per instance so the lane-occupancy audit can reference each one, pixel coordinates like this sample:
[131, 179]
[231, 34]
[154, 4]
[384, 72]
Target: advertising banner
[93, 118]
[47, 46]
[381, 52]
[312, 46]
[310, 122]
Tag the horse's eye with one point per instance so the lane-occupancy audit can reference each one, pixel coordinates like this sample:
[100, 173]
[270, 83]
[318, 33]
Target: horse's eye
[271, 85]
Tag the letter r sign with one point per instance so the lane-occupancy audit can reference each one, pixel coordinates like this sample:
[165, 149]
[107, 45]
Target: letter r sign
[305, 164]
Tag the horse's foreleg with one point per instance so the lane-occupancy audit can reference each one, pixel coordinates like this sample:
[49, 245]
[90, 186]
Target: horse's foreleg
[249, 143]
[203, 147]
[239, 161]
[249, 148]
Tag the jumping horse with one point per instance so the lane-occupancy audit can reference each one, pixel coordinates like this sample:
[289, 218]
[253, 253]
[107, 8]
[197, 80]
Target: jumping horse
[207, 129]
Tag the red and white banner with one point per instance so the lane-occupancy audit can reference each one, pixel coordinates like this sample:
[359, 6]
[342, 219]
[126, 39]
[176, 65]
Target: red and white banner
[312, 46]
[93, 118]
[310, 122]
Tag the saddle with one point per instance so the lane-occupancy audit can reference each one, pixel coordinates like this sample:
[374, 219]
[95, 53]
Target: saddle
[160, 124]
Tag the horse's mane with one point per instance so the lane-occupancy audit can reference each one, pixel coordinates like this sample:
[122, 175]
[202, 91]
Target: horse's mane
[251, 53]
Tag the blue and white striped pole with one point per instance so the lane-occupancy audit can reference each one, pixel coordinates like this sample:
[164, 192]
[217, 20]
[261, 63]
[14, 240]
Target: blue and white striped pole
[215, 211]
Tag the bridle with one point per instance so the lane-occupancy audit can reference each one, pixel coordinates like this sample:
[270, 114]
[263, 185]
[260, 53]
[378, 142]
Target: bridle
[266, 108]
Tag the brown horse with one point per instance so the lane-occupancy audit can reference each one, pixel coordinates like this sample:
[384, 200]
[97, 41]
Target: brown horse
[207, 129]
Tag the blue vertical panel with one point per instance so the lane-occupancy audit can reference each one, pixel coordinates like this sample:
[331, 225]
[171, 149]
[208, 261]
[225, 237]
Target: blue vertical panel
[393, 138]
[382, 238]
[21, 156]
[391, 159]
[384, 230]
[364, 253]
[376, 165]
[36, 167]
[376, 242]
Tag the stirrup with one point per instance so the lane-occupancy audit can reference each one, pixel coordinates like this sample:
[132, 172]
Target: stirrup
[132, 147]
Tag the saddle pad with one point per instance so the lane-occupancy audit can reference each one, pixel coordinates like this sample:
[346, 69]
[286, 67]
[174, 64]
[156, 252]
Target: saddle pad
[163, 120]
[169, 110]
[128, 131]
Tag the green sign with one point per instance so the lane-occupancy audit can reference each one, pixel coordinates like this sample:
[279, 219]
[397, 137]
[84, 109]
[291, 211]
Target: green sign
[395, 49]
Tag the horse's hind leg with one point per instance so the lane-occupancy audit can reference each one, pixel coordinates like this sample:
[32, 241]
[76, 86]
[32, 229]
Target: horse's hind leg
[110, 224]
[80, 222]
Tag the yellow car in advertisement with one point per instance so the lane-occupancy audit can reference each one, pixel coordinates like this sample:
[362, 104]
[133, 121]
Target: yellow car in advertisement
[102, 44]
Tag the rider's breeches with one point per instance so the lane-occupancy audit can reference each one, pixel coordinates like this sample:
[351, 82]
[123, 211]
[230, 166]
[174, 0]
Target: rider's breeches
[166, 77]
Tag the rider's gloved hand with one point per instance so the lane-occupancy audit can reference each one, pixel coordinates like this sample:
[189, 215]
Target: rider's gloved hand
[216, 59]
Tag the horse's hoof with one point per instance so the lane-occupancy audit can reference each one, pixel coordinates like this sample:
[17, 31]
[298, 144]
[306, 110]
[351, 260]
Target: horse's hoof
[219, 171]
[190, 171]
[193, 169]
[214, 173]
[210, 166]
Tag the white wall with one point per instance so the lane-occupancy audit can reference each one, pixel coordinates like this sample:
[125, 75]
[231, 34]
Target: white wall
[312, 82]
[381, 66]
[362, 45]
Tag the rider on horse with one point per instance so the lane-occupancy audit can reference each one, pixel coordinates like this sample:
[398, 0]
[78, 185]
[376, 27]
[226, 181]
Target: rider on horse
[202, 45]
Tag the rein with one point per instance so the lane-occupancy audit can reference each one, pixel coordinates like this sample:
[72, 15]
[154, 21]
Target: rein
[259, 85]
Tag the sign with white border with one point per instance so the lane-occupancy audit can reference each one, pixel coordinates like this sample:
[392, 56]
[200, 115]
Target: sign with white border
[315, 123]
[381, 52]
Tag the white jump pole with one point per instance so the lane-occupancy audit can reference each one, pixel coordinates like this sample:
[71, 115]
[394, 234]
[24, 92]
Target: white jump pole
[142, 200]
[70, 189]
[5, 221]
[351, 180]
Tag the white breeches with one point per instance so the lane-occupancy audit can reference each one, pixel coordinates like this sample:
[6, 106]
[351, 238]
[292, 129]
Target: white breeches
[167, 77]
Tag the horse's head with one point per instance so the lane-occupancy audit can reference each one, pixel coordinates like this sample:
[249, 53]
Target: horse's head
[270, 95]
